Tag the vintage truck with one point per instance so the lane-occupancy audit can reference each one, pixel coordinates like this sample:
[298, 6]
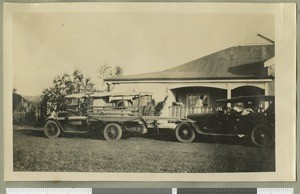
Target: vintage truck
[112, 113]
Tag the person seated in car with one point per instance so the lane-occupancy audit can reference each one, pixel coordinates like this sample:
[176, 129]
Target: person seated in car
[238, 109]
[242, 111]
[84, 105]
[247, 111]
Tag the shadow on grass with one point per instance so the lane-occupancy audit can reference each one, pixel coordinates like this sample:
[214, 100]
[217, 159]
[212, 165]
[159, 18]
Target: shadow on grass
[38, 132]
[77, 135]
[211, 139]
[226, 140]
[161, 135]
[31, 132]
[164, 135]
[229, 140]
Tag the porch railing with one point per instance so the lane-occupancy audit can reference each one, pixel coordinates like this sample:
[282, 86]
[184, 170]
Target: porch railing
[184, 111]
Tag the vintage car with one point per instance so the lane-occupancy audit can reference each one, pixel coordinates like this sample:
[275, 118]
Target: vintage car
[250, 116]
[111, 114]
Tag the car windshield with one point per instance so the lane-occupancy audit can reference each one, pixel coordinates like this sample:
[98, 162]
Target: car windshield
[271, 109]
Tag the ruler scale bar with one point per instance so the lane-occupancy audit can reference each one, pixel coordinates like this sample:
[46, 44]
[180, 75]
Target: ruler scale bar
[49, 191]
[132, 191]
[275, 191]
[217, 191]
[150, 191]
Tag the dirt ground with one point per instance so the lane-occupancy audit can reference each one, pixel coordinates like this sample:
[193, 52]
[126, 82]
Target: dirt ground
[154, 153]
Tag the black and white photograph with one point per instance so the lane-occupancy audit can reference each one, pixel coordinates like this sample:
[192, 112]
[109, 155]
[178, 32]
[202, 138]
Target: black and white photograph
[159, 89]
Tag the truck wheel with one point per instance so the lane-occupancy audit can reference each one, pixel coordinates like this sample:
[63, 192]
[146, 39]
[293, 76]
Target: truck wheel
[262, 136]
[112, 132]
[51, 129]
[185, 133]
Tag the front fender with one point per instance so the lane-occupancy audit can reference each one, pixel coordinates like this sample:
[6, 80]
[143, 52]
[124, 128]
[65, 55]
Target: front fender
[55, 120]
[196, 128]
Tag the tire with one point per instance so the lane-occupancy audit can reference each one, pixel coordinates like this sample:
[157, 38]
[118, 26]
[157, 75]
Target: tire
[262, 136]
[185, 133]
[51, 129]
[112, 132]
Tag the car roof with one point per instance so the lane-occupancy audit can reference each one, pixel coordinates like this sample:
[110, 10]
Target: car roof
[247, 99]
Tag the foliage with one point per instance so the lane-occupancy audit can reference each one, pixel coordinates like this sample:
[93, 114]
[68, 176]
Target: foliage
[24, 111]
[154, 109]
[53, 97]
[159, 107]
[119, 71]
[106, 71]
[17, 99]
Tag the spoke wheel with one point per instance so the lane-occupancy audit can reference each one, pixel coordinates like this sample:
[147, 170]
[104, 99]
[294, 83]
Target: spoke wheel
[262, 136]
[112, 132]
[185, 133]
[51, 129]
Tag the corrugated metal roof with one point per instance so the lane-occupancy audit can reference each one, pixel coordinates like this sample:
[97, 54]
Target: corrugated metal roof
[238, 62]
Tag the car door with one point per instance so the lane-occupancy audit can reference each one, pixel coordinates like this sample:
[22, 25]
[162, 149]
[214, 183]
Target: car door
[228, 123]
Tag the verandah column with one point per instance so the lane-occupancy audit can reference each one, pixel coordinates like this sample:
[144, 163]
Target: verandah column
[228, 86]
[266, 87]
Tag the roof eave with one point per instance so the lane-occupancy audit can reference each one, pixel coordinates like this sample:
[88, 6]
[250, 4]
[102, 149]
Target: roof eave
[178, 79]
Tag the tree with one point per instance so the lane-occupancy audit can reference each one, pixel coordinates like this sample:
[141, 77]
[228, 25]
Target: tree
[119, 71]
[24, 111]
[106, 71]
[53, 98]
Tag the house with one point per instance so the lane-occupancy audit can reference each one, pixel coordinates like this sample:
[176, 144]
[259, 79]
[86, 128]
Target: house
[232, 72]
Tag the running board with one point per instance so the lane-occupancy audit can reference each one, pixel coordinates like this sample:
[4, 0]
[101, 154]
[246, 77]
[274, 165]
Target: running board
[76, 132]
[217, 134]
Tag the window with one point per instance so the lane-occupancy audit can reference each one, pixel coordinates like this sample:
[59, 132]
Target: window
[194, 99]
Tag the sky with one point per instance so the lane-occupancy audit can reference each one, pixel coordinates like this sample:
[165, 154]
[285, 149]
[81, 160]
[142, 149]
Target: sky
[50, 44]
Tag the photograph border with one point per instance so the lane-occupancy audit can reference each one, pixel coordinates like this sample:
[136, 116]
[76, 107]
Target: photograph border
[285, 52]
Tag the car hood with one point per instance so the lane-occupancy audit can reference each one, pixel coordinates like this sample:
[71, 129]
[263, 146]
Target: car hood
[199, 115]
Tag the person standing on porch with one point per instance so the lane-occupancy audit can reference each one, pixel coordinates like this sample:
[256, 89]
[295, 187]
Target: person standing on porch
[199, 101]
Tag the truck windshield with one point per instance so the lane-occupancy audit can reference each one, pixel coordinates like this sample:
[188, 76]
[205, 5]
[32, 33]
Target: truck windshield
[72, 103]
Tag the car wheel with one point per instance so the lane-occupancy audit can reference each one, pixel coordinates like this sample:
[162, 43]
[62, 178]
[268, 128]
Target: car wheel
[51, 129]
[262, 136]
[185, 133]
[112, 132]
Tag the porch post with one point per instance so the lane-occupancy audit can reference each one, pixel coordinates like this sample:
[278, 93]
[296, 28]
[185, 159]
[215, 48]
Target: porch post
[266, 89]
[228, 85]
[171, 98]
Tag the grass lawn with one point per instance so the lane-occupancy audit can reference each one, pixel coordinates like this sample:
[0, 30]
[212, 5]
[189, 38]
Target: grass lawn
[86, 153]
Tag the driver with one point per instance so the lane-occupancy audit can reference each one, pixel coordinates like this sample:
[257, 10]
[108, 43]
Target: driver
[238, 109]
[84, 105]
